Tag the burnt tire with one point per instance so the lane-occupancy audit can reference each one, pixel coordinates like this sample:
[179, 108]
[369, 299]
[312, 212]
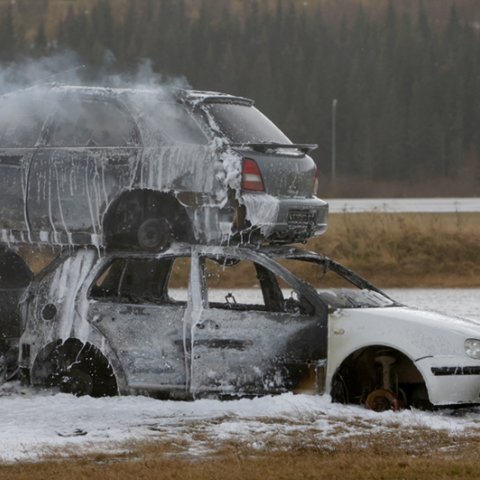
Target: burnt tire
[339, 391]
[154, 234]
[77, 381]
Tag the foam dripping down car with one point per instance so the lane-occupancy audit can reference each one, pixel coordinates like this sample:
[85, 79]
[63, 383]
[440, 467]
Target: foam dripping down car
[138, 169]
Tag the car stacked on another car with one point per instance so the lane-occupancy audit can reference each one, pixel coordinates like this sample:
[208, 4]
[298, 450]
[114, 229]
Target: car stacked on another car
[159, 202]
[137, 169]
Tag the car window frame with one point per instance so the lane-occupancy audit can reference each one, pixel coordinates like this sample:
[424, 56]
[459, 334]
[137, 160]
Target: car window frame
[92, 99]
[320, 308]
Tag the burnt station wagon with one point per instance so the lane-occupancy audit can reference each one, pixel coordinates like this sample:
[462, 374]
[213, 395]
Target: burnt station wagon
[139, 168]
[127, 323]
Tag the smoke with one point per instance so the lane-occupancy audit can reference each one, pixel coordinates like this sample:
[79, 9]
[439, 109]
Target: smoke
[67, 68]
[22, 116]
[31, 72]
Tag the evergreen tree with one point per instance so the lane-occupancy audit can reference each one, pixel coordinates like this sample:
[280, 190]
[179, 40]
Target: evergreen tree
[7, 36]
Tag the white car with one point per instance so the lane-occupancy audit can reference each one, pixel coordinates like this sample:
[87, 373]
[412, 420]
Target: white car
[121, 323]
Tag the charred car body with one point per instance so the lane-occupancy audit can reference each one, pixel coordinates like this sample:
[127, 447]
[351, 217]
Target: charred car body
[119, 325]
[15, 277]
[139, 168]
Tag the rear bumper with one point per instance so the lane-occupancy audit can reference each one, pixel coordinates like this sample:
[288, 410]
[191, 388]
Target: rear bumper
[286, 219]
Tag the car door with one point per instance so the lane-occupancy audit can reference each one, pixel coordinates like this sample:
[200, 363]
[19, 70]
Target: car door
[141, 322]
[21, 122]
[90, 158]
[253, 341]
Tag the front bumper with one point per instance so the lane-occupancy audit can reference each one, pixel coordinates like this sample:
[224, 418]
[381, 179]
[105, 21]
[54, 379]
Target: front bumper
[451, 380]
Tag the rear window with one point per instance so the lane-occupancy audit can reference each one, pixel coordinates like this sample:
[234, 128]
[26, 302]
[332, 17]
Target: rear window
[91, 124]
[245, 124]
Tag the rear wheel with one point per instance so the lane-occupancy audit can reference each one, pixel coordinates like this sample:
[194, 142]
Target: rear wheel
[77, 381]
[76, 368]
[147, 221]
[154, 234]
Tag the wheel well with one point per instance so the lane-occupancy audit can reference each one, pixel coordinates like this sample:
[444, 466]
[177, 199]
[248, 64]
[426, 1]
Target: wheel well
[362, 372]
[57, 358]
[131, 208]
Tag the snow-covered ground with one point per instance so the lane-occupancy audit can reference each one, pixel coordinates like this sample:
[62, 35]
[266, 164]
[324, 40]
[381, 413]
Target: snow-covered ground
[35, 423]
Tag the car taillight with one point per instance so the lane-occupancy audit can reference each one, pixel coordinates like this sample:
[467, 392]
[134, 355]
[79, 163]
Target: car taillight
[315, 181]
[251, 176]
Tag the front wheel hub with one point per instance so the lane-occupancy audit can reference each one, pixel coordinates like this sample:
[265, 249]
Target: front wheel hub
[381, 400]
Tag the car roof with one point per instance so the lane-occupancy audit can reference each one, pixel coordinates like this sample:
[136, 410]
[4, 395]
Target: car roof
[193, 97]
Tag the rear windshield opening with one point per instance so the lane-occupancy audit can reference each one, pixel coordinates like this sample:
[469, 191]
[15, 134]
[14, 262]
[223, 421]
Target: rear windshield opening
[245, 124]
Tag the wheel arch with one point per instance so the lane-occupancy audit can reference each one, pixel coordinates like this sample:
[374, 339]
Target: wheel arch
[42, 365]
[410, 373]
[130, 205]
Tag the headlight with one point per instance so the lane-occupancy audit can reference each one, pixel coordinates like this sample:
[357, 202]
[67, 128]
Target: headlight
[472, 348]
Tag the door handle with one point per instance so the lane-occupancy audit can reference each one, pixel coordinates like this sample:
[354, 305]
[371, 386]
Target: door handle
[12, 160]
[208, 323]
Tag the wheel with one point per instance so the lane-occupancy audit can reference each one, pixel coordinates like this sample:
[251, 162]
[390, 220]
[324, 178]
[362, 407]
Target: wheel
[381, 400]
[77, 382]
[339, 391]
[154, 234]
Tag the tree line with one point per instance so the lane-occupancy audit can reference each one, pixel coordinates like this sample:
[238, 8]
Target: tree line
[406, 85]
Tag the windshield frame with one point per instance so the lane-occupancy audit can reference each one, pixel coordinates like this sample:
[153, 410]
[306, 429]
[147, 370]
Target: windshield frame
[328, 264]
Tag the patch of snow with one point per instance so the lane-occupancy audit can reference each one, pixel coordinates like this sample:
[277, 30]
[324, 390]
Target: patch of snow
[35, 422]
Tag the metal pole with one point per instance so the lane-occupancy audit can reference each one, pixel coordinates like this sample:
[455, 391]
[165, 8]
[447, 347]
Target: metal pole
[334, 139]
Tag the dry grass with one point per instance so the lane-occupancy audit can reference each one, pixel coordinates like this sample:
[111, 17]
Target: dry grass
[382, 458]
[406, 250]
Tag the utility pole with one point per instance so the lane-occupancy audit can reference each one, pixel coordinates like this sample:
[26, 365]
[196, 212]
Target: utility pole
[334, 139]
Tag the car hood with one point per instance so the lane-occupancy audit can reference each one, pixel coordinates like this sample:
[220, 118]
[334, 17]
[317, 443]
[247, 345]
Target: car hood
[416, 317]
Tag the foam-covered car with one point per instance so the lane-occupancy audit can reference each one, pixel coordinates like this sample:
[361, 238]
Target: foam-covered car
[133, 168]
[170, 325]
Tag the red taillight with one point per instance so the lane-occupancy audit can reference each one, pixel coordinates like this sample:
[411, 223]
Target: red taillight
[251, 176]
[315, 181]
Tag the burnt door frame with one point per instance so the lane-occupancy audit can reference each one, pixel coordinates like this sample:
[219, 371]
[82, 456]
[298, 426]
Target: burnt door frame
[278, 341]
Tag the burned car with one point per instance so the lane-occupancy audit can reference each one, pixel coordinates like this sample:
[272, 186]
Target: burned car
[168, 325]
[15, 277]
[130, 168]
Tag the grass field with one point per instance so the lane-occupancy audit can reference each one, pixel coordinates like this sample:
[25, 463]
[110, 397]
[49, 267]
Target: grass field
[406, 250]
[419, 456]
